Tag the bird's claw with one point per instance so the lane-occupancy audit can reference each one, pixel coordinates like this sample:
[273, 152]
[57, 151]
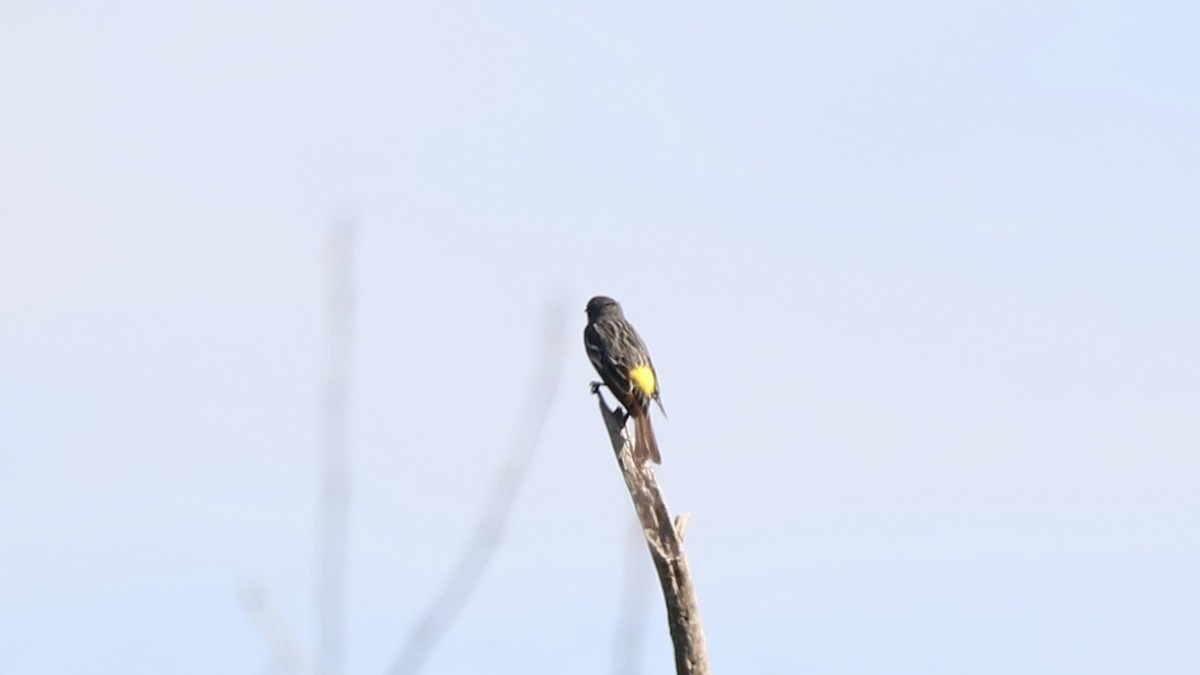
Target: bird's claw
[595, 387]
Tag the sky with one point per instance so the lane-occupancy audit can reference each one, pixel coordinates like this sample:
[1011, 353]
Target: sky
[921, 282]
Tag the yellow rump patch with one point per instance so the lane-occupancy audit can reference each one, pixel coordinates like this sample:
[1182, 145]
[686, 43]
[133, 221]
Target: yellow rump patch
[643, 378]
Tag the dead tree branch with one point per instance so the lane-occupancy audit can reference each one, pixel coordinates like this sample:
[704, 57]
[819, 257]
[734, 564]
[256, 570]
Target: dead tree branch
[665, 541]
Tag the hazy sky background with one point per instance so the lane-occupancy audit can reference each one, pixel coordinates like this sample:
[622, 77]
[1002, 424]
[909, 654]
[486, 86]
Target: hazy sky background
[921, 281]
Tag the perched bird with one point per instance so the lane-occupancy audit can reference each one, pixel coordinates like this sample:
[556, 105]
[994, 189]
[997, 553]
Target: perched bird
[623, 362]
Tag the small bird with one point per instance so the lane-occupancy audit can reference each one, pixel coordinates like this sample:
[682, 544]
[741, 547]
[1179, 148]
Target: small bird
[623, 362]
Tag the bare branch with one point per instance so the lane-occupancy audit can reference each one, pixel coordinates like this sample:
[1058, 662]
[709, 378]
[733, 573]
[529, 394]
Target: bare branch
[666, 548]
[289, 659]
[631, 617]
[489, 531]
[334, 513]
[681, 523]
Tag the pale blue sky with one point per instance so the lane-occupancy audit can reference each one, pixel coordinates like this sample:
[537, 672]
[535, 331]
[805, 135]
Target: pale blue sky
[922, 282]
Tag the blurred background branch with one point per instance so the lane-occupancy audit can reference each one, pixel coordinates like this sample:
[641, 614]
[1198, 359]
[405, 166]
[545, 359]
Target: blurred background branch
[489, 531]
[288, 658]
[334, 420]
[631, 617]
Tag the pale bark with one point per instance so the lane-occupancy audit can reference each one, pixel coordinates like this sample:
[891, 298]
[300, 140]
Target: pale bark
[664, 539]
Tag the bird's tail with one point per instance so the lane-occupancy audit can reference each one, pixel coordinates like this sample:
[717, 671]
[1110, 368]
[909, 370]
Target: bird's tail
[658, 400]
[645, 445]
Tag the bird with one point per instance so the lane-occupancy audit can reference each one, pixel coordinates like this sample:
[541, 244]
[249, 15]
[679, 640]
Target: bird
[620, 356]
